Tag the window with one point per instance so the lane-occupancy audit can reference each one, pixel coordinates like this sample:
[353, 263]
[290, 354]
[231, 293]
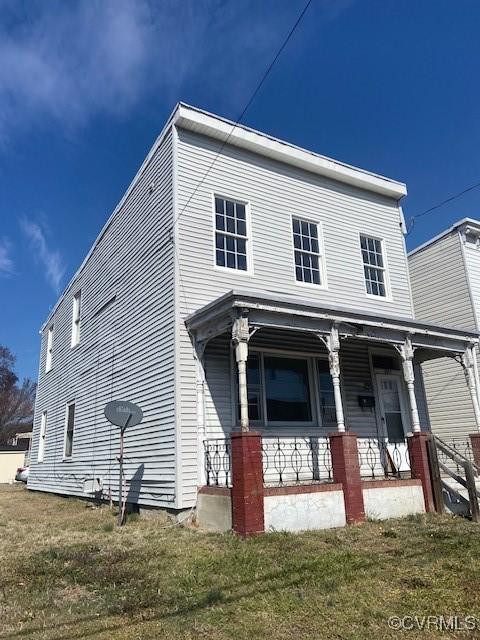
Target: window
[384, 361]
[76, 319]
[48, 359]
[41, 440]
[69, 427]
[287, 392]
[373, 266]
[307, 251]
[230, 234]
[326, 395]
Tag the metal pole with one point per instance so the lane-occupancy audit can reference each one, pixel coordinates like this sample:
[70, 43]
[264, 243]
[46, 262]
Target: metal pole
[120, 482]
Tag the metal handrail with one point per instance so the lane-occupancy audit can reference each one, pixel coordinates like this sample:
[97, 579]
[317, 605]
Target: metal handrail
[453, 454]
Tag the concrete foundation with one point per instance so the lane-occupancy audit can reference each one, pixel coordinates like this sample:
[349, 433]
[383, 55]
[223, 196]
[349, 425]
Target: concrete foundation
[392, 499]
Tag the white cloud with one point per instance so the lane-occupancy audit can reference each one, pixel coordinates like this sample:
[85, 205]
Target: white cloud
[69, 61]
[6, 262]
[51, 260]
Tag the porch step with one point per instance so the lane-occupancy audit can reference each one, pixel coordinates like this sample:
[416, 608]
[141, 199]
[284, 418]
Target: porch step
[456, 496]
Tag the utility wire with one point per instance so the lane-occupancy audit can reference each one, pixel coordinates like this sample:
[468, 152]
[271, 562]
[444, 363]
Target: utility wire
[245, 109]
[411, 222]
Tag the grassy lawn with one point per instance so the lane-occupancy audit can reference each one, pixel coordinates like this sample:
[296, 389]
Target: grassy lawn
[66, 572]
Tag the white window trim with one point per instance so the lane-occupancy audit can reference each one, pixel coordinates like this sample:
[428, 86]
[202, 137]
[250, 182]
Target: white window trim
[69, 404]
[322, 263]
[49, 352]
[76, 310]
[41, 439]
[314, 388]
[386, 272]
[250, 270]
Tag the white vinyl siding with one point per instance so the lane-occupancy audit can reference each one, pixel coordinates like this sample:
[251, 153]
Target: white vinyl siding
[440, 284]
[41, 437]
[126, 351]
[76, 308]
[49, 356]
[445, 277]
[274, 192]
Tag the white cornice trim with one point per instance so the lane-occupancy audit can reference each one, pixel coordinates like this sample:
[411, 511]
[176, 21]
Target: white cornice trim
[194, 119]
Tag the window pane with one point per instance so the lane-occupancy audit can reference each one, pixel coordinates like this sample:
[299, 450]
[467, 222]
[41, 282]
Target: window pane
[220, 258]
[230, 243]
[229, 208]
[241, 228]
[241, 246]
[327, 397]
[287, 390]
[219, 203]
[230, 225]
[296, 225]
[242, 262]
[240, 211]
[220, 223]
[231, 260]
[219, 241]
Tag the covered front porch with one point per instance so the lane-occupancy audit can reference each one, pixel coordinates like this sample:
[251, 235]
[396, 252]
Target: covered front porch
[295, 372]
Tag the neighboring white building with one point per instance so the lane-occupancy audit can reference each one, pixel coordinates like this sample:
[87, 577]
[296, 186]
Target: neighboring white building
[227, 236]
[445, 280]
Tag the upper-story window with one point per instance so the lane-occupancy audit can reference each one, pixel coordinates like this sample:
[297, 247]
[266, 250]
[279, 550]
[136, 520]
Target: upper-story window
[48, 359]
[76, 318]
[231, 240]
[308, 259]
[374, 266]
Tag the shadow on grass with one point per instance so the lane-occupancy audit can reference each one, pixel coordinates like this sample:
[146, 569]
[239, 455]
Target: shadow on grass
[268, 583]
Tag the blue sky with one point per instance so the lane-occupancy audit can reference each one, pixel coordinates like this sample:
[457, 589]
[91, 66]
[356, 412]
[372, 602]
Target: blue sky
[85, 87]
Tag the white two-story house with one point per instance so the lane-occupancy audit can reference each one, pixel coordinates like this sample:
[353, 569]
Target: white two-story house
[241, 282]
[445, 278]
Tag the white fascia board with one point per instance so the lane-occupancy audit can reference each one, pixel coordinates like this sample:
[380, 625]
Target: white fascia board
[461, 223]
[238, 135]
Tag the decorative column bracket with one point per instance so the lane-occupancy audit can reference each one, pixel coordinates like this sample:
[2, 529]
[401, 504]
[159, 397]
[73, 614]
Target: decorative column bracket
[406, 351]
[332, 344]
[468, 363]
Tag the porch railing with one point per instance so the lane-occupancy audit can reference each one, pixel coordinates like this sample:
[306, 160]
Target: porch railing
[218, 462]
[380, 458]
[296, 460]
[303, 460]
[460, 446]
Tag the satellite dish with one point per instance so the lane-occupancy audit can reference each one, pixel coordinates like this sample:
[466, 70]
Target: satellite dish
[123, 414]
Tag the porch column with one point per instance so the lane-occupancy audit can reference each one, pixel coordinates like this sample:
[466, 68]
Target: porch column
[468, 364]
[332, 343]
[406, 351]
[240, 337]
[199, 358]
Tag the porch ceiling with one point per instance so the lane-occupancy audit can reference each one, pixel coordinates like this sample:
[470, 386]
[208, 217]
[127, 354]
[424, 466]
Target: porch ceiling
[267, 310]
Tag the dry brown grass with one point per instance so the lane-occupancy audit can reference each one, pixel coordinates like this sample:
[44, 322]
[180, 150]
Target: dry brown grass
[67, 574]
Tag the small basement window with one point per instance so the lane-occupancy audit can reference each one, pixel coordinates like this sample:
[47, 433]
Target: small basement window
[231, 234]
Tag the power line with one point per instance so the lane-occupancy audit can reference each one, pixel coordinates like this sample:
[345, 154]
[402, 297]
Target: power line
[245, 109]
[411, 222]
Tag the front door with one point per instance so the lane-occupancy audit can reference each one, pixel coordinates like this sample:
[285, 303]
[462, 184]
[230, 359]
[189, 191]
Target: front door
[394, 419]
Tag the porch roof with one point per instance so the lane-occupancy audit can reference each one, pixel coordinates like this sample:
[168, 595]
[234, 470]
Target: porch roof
[265, 309]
